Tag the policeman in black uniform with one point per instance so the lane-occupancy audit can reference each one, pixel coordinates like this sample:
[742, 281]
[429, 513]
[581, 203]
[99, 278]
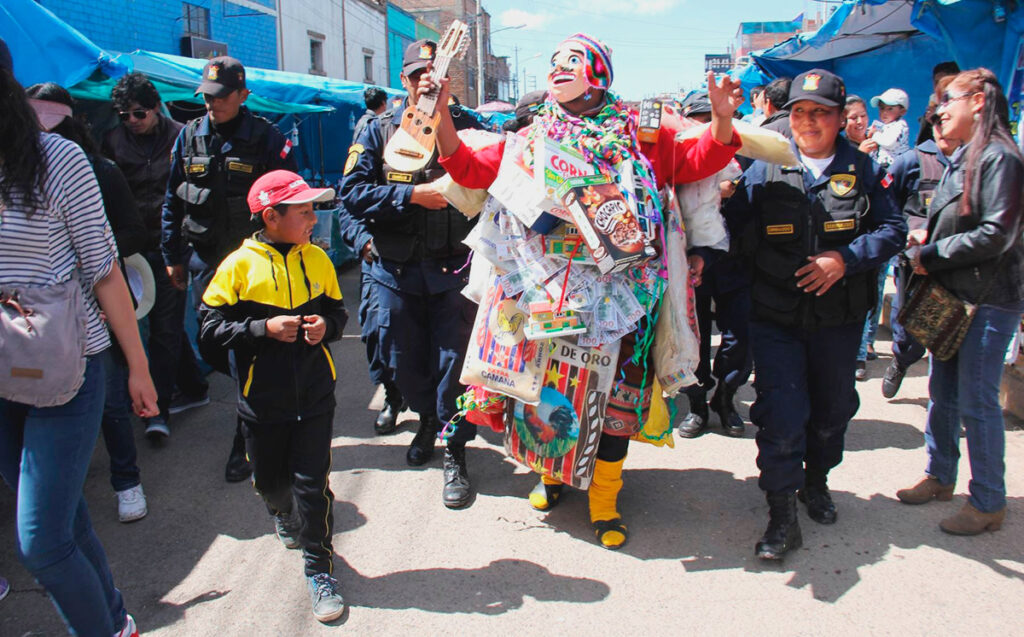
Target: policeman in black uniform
[818, 232]
[915, 176]
[357, 237]
[418, 259]
[216, 159]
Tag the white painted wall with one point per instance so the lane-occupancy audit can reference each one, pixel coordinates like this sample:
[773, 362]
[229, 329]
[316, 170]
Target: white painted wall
[364, 34]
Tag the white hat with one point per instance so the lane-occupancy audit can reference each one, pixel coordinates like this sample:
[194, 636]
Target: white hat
[140, 283]
[892, 97]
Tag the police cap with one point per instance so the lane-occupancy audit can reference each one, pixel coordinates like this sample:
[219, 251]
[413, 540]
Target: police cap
[221, 76]
[417, 55]
[819, 86]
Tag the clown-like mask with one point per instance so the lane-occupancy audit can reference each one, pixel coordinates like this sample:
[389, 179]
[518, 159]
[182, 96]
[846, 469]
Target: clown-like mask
[567, 79]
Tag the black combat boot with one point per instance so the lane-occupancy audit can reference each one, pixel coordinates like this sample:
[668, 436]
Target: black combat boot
[387, 419]
[723, 405]
[697, 420]
[816, 496]
[422, 447]
[783, 532]
[457, 492]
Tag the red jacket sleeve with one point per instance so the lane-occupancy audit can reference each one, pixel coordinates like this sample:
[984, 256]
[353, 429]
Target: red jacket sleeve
[680, 162]
[474, 168]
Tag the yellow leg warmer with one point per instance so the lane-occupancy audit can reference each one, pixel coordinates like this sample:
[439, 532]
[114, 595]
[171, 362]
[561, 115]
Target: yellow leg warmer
[603, 496]
[549, 480]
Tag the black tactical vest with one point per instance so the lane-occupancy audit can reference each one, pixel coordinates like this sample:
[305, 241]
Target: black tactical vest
[792, 227]
[217, 218]
[422, 233]
[931, 170]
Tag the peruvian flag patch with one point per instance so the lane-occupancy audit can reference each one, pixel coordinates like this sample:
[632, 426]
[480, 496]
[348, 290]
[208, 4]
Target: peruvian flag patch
[287, 148]
[887, 180]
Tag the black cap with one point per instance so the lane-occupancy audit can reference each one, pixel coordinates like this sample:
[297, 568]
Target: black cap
[5, 57]
[695, 104]
[417, 55]
[818, 85]
[221, 75]
[528, 104]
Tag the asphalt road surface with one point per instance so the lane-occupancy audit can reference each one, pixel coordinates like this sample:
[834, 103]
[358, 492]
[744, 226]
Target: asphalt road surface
[206, 562]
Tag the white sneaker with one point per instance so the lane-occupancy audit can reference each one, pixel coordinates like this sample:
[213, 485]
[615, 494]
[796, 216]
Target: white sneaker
[131, 504]
[130, 629]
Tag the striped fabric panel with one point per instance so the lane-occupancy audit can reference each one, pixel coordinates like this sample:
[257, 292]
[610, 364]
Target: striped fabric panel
[42, 247]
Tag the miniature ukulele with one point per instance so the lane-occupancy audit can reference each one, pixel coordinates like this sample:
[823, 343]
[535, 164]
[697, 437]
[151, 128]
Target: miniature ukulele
[412, 145]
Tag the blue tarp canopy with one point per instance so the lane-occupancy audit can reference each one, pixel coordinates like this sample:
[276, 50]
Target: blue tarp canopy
[45, 49]
[878, 44]
[872, 44]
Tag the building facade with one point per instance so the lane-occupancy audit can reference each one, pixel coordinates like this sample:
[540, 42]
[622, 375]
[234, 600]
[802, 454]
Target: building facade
[345, 40]
[245, 29]
[439, 14]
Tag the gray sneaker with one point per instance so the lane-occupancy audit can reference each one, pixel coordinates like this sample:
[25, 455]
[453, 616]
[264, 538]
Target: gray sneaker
[288, 527]
[328, 604]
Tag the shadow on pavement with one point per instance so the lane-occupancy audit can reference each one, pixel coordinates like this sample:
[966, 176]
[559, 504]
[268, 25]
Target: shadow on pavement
[494, 589]
[867, 435]
[709, 520]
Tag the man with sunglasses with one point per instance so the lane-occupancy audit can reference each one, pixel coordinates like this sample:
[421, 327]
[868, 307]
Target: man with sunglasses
[816, 233]
[417, 263]
[140, 147]
[216, 160]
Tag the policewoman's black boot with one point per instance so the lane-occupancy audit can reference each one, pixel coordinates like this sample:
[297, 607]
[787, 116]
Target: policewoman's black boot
[422, 448]
[457, 491]
[723, 405]
[696, 421]
[783, 532]
[816, 496]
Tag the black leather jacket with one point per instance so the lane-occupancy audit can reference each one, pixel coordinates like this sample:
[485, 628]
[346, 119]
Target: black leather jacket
[963, 252]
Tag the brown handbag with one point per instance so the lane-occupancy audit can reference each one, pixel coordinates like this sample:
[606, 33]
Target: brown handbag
[937, 318]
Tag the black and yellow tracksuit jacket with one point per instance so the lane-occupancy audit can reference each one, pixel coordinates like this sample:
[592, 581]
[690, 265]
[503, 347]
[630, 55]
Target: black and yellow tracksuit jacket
[277, 382]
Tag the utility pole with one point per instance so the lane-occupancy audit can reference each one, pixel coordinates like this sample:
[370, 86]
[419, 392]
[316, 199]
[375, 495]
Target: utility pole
[479, 54]
[515, 79]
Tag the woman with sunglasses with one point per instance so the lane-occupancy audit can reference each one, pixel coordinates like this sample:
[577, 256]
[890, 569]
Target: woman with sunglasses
[53, 225]
[972, 246]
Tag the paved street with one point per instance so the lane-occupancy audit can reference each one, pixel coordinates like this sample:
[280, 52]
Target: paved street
[205, 561]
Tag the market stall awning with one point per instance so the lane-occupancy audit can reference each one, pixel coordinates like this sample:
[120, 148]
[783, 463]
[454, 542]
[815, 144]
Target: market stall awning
[46, 49]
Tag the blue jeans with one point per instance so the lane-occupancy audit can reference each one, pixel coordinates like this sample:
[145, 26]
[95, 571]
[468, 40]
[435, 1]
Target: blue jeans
[871, 323]
[117, 424]
[44, 456]
[966, 389]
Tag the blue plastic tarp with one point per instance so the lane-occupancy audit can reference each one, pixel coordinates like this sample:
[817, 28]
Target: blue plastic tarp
[872, 44]
[45, 49]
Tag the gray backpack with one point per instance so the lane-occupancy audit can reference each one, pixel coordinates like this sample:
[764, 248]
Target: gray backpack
[43, 336]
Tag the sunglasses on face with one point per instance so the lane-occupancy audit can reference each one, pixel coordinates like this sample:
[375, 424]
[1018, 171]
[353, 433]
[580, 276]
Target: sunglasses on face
[138, 114]
[948, 98]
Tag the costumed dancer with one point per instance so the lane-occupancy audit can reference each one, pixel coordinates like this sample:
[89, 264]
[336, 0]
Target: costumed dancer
[576, 225]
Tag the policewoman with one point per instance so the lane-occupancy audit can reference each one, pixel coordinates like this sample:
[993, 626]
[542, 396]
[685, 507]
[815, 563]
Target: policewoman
[418, 258]
[216, 159]
[816, 232]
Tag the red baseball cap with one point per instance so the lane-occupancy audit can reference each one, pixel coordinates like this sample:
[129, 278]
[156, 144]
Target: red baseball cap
[283, 186]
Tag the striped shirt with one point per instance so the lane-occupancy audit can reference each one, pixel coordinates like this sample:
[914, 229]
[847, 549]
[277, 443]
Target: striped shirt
[42, 247]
